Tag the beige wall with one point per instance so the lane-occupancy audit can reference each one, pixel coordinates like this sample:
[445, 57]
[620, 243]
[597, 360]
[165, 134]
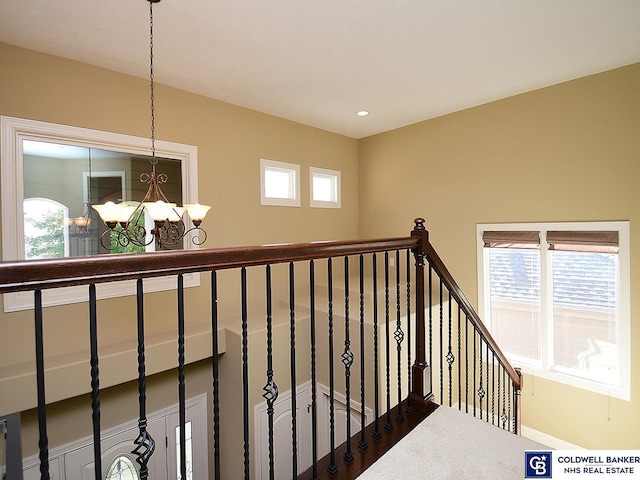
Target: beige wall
[230, 140]
[570, 152]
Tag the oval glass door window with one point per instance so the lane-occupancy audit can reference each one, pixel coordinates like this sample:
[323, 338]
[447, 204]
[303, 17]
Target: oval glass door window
[122, 469]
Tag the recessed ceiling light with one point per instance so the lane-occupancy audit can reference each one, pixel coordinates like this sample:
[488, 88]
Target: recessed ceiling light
[362, 113]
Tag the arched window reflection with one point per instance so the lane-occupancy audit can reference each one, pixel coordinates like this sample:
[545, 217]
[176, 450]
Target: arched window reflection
[122, 469]
[45, 233]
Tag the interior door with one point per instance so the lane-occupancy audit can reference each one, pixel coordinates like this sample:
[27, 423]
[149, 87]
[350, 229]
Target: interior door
[282, 438]
[79, 464]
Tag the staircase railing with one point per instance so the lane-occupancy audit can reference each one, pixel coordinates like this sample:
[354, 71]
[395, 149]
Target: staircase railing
[347, 297]
[480, 361]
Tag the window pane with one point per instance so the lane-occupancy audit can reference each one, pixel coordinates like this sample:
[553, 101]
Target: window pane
[514, 277]
[188, 450]
[45, 231]
[278, 183]
[324, 188]
[585, 314]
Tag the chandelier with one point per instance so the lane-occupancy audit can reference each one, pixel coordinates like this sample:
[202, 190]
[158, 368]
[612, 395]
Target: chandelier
[126, 220]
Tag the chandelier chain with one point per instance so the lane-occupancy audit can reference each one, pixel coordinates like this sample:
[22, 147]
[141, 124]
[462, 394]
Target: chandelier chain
[154, 160]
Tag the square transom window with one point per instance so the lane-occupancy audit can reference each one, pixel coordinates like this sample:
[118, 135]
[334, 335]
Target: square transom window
[280, 183]
[325, 188]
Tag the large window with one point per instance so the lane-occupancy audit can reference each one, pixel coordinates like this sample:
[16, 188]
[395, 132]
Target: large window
[556, 298]
[52, 174]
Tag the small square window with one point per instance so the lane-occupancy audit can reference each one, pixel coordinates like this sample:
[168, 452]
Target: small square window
[279, 183]
[325, 188]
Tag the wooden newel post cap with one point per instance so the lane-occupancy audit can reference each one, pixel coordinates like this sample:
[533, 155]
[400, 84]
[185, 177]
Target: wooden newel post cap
[419, 224]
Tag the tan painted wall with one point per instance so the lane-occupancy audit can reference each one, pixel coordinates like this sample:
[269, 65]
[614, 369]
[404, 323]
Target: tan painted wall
[570, 152]
[230, 140]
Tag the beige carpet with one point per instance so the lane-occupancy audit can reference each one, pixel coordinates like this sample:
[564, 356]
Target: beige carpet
[451, 445]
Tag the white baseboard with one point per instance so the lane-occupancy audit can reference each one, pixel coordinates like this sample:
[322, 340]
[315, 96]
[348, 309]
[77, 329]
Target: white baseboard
[548, 440]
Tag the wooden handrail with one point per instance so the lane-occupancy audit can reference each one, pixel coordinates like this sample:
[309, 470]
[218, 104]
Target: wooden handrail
[53, 273]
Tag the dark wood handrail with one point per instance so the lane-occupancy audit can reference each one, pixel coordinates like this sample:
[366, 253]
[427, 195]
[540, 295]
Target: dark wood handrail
[53, 273]
[456, 292]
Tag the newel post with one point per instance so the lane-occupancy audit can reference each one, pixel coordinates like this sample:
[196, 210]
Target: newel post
[420, 378]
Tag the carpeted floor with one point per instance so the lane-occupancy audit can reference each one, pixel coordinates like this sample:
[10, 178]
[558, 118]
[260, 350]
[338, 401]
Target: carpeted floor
[450, 445]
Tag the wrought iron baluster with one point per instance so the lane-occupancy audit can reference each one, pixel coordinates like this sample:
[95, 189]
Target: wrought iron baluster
[145, 444]
[459, 362]
[292, 360]
[481, 391]
[493, 387]
[43, 442]
[408, 268]
[398, 336]
[503, 415]
[314, 417]
[377, 435]
[440, 352]
[245, 372]
[488, 385]
[332, 468]
[509, 415]
[182, 409]
[95, 384]
[271, 388]
[362, 445]
[466, 362]
[216, 376]
[431, 326]
[475, 371]
[347, 360]
[450, 357]
[387, 425]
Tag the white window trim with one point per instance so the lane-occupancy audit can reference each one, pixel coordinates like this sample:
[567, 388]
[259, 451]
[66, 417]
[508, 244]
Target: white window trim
[13, 131]
[337, 203]
[624, 302]
[280, 202]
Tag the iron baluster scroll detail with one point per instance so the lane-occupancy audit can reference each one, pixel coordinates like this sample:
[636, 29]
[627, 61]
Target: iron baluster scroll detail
[398, 336]
[347, 358]
[145, 445]
[271, 388]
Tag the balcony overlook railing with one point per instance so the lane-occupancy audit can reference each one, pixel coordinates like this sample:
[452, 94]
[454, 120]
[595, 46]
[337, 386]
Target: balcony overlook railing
[400, 337]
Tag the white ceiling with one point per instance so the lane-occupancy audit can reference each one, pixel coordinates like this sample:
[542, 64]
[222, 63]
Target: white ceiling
[318, 62]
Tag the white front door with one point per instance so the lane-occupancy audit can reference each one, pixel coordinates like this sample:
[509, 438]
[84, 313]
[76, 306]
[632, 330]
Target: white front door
[117, 456]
